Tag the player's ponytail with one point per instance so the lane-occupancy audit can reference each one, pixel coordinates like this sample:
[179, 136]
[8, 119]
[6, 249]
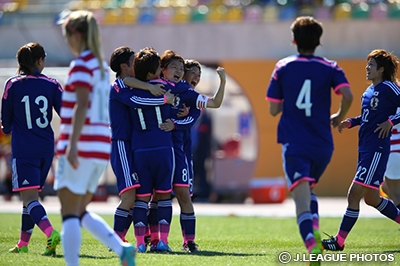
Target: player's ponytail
[84, 23]
[93, 40]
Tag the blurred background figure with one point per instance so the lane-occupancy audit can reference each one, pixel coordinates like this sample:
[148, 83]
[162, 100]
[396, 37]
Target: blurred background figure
[5, 165]
[202, 157]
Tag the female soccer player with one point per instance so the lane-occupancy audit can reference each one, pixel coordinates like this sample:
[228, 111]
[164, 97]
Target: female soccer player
[378, 115]
[26, 113]
[300, 88]
[122, 99]
[84, 144]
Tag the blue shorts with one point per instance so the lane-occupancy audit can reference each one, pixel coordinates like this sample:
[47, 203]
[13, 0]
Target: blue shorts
[371, 169]
[182, 174]
[121, 160]
[304, 163]
[30, 173]
[187, 147]
[155, 167]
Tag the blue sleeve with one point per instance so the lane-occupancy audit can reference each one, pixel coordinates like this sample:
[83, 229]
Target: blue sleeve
[137, 98]
[355, 121]
[189, 98]
[396, 100]
[6, 111]
[58, 99]
[274, 91]
[187, 122]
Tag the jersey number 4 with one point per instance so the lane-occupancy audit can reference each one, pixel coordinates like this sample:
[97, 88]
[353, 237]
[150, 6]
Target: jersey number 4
[43, 110]
[304, 98]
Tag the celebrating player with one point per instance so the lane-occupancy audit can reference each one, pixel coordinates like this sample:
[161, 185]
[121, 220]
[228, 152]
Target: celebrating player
[300, 89]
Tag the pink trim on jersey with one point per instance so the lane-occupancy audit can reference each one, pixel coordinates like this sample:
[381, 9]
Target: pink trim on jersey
[8, 86]
[181, 185]
[15, 79]
[163, 81]
[163, 191]
[116, 87]
[25, 188]
[129, 188]
[144, 195]
[365, 185]
[301, 180]
[338, 87]
[274, 100]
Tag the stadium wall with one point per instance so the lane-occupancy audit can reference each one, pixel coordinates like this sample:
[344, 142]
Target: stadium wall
[253, 77]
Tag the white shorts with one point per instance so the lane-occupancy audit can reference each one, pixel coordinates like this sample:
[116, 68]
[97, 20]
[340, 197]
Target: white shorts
[82, 180]
[393, 166]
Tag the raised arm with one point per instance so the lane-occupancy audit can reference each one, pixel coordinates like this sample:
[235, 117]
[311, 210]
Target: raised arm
[155, 89]
[216, 100]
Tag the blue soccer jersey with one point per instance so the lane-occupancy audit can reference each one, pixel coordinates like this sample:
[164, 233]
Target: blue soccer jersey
[27, 112]
[303, 85]
[122, 99]
[379, 103]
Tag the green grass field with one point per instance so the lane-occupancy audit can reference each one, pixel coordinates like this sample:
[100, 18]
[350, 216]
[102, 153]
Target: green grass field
[222, 241]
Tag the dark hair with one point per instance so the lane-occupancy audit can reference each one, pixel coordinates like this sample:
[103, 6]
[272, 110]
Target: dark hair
[27, 56]
[388, 61]
[189, 63]
[119, 56]
[168, 56]
[146, 61]
[307, 32]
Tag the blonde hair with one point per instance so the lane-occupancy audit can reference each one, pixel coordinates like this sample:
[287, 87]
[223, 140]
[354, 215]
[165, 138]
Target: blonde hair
[83, 22]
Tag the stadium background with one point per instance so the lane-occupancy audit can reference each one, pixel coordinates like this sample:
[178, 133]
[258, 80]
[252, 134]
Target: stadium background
[246, 38]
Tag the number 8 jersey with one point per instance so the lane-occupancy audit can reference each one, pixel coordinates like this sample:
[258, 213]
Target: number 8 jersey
[27, 112]
[95, 139]
[303, 85]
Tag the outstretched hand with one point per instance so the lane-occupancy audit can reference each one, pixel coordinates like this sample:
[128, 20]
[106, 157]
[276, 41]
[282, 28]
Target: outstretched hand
[168, 125]
[183, 112]
[156, 89]
[343, 124]
[384, 129]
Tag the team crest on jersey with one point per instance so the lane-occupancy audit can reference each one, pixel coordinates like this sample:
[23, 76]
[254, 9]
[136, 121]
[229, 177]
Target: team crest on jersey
[374, 102]
[176, 101]
[135, 176]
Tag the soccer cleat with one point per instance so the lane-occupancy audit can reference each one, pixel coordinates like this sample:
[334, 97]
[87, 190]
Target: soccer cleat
[141, 248]
[163, 247]
[128, 255]
[191, 247]
[153, 245]
[332, 244]
[317, 237]
[16, 249]
[184, 246]
[52, 243]
[315, 251]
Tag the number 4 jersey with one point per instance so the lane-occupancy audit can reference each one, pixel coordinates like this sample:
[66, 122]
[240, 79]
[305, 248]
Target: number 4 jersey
[27, 112]
[303, 85]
